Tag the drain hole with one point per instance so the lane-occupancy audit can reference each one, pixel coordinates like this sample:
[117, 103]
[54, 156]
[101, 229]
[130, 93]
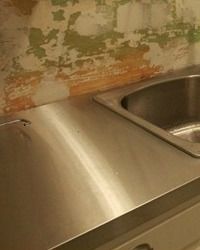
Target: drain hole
[124, 103]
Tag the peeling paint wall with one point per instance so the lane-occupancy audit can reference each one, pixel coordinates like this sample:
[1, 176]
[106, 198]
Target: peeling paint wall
[50, 49]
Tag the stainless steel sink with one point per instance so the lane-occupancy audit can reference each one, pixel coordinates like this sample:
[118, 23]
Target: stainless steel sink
[168, 108]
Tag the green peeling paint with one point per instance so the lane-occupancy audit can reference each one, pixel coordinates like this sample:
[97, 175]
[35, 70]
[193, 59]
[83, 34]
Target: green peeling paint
[77, 40]
[58, 41]
[58, 15]
[170, 32]
[73, 19]
[37, 39]
[193, 35]
[16, 65]
[88, 46]
[85, 45]
[64, 2]
[98, 45]
[100, 2]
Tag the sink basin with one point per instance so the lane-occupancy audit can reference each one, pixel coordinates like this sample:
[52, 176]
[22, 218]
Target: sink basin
[168, 108]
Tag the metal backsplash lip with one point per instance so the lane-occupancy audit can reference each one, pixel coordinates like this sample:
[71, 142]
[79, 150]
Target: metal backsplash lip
[112, 99]
[24, 122]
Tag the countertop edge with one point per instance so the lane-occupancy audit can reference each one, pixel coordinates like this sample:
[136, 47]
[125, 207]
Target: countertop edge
[135, 218]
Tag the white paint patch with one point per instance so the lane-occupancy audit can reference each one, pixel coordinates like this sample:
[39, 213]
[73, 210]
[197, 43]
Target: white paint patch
[42, 17]
[89, 23]
[172, 57]
[73, 55]
[194, 54]
[133, 39]
[132, 16]
[86, 25]
[159, 15]
[191, 11]
[179, 8]
[30, 63]
[50, 89]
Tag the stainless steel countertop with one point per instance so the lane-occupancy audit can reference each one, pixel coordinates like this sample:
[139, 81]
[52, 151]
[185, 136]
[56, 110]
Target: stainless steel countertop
[78, 166]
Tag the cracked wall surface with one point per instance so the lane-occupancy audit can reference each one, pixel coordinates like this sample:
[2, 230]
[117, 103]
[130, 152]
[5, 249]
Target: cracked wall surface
[50, 49]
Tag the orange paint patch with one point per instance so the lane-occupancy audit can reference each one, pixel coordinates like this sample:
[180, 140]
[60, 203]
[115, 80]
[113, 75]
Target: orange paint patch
[19, 90]
[102, 82]
[129, 69]
[20, 103]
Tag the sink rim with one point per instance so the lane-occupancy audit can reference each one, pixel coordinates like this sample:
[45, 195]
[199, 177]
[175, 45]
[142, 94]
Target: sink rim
[112, 99]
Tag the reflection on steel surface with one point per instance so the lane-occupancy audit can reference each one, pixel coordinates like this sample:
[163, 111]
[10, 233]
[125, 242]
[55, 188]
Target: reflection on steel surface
[79, 167]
